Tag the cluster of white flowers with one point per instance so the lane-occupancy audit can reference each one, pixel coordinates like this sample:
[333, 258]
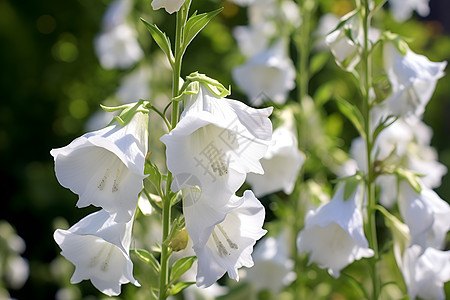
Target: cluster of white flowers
[400, 151]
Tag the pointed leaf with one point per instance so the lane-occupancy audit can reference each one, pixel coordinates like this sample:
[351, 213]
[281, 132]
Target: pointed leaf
[180, 267]
[388, 121]
[353, 115]
[179, 287]
[161, 39]
[195, 24]
[148, 258]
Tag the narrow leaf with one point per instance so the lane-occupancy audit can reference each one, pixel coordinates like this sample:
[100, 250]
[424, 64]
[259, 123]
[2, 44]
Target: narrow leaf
[161, 39]
[352, 114]
[181, 266]
[388, 121]
[148, 258]
[195, 24]
[179, 287]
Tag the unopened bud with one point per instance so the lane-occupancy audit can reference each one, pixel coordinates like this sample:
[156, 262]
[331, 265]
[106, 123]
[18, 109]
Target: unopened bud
[180, 240]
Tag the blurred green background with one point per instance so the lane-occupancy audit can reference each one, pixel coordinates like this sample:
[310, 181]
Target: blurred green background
[51, 83]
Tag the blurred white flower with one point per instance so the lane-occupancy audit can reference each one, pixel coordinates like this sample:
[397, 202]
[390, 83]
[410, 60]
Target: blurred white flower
[413, 79]
[273, 268]
[116, 13]
[135, 86]
[402, 9]
[425, 272]
[17, 271]
[215, 144]
[269, 74]
[231, 242]
[99, 248]
[106, 167]
[243, 2]
[281, 163]
[426, 214]
[118, 47]
[334, 232]
[253, 39]
[170, 6]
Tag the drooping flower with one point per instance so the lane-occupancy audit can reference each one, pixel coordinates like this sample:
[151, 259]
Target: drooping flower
[170, 6]
[273, 269]
[99, 248]
[215, 144]
[106, 167]
[425, 272]
[413, 79]
[402, 9]
[230, 243]
[118, 47]
[426, 215]
[270, 74]
[333, 234]
[281, 163]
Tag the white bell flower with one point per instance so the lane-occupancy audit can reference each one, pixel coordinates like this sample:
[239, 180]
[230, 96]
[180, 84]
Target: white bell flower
[106, 167]
[413, 79]
[231, 241]
[402, 9]
[426, 215]
[425, 272]
[170, 6]
[273, 268]
[215, 144]
[118, 47]
[334, 232]
[281, 164]
[270, 74]
[99, 248]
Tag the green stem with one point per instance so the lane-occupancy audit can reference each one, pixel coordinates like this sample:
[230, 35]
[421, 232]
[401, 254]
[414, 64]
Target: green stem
[371, 224]
[167, 205]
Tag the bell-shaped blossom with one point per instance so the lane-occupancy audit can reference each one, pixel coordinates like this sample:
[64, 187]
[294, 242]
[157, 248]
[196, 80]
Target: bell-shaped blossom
[253, 39]
[402, 9]
[231, 241]
[426, 215]
[273, 269]
[281, 163]
[215, 144]
[334, 232]
[170, 6]
[413, 79]
[269, 74]
[118, 47]
[99, 248]
[106, 167]
[425, 272]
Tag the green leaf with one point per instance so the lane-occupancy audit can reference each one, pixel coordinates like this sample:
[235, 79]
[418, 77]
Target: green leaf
[318, 61]
[179, 287]
[386, 122]
[411, 177]
[180, 267]
[161, 39]
[148, 258]
[195, 24]
[353, 115]
[153, 173]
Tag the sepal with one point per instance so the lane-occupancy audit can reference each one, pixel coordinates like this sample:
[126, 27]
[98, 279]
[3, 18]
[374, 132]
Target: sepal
[127, 111]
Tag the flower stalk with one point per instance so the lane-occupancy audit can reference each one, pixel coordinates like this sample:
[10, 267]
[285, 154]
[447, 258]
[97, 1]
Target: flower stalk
[370, 180]
[181, 17]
